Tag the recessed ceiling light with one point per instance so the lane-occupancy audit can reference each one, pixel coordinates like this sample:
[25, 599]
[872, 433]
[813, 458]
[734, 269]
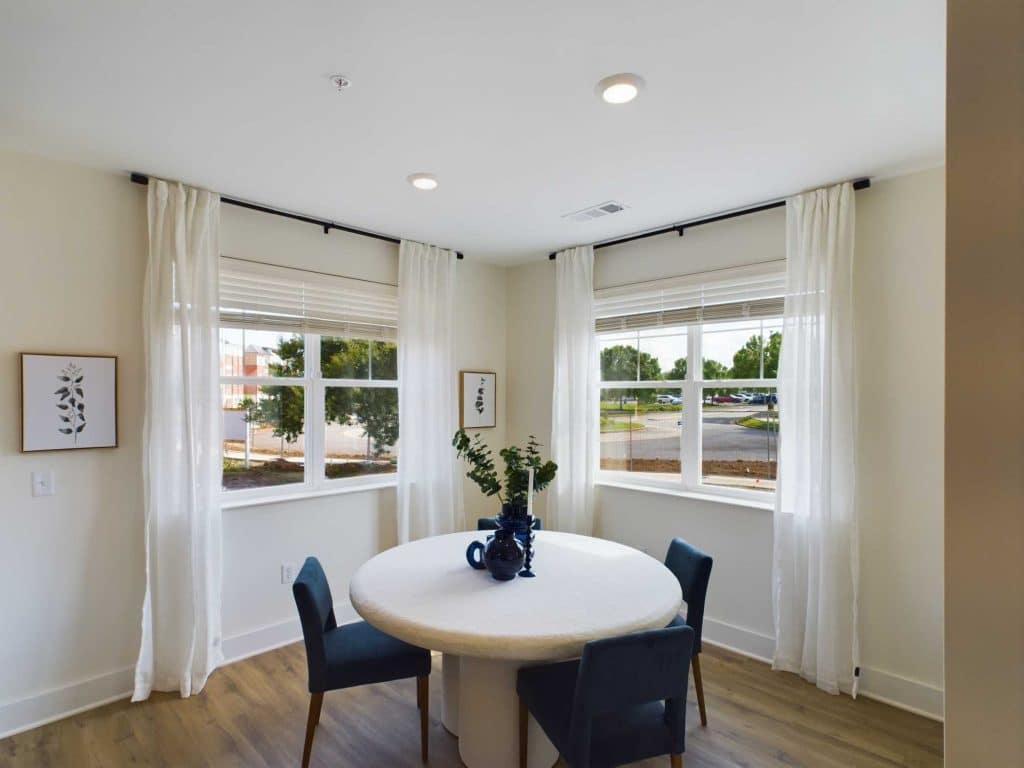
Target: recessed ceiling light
[620, 88]
[424, 181]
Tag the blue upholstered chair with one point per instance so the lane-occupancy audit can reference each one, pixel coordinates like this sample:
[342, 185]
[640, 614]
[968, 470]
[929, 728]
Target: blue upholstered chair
[490, 524]
[624, 701]
[693, 570]
[352, 654]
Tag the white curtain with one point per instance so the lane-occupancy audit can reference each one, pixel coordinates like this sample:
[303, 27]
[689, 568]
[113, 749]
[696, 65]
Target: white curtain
[815, 561]
[181, 463]
[429, 487]
[574, 432]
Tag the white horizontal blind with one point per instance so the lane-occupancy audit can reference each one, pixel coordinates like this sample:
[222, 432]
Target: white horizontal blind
[272, 298]
[731, 294]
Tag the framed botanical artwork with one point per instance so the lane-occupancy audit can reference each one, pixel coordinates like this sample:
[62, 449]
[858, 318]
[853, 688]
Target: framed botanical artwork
[68, 402]
[477, 398]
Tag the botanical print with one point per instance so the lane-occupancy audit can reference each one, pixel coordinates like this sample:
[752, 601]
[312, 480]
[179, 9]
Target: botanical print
[480, 396]
[68, 402]
[477, 396]
[71, 403]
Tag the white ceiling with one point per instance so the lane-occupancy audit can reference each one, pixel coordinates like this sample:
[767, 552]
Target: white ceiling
[745, 101]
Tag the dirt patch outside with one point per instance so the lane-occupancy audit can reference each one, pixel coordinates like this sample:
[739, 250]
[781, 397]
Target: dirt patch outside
[755, 470]
[281, 472]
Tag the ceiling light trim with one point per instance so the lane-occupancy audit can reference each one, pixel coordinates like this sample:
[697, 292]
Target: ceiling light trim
[424, 182]
[620, 88]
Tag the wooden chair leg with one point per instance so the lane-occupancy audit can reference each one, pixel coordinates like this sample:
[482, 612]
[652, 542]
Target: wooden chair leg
[524, 731]
[677, 761]
[698, 683]
[316, 701]
[423, 702]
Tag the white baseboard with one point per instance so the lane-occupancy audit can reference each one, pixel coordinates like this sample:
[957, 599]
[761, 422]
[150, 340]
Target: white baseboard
[57, 703]
[902, 692]
[912, 695]
[271, 636]
[741, 640]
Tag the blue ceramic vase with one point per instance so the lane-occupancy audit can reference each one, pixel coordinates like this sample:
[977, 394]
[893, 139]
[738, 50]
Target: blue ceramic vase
[503, 555]
[515, 516]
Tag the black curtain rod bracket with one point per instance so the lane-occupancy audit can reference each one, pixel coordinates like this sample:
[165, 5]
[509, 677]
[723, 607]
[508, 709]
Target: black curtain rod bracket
[327, 226]
[681, 228]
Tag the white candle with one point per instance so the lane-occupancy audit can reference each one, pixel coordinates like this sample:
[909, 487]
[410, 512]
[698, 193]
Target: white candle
[529, 495]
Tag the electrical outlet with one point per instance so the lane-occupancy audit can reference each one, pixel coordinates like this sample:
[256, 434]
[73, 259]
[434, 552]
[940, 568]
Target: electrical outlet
[287, 573]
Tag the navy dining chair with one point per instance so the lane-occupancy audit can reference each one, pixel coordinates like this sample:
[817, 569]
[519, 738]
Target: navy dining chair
[693, 570]
[351, 654]
[623, 701]
[491, 524]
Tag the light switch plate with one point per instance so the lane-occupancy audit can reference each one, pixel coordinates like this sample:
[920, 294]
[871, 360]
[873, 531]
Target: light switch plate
[42, 483]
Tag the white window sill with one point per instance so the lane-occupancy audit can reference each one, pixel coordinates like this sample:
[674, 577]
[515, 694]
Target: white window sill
[733, 501]
[258, 501]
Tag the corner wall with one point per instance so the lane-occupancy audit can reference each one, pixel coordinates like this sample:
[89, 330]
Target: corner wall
[73, 248]
[900, 321]
[72, 245]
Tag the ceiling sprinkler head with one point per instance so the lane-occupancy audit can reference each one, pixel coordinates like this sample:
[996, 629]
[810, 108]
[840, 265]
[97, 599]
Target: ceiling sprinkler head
[340, 82]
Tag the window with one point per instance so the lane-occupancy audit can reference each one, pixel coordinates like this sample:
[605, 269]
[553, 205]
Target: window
[309, 369]
[667, 421]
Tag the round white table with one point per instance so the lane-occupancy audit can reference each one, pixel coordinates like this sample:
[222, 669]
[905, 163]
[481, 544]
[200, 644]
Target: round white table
[425, 593]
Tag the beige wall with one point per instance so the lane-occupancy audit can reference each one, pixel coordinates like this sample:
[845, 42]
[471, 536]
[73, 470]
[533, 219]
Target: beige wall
[984, 353]
[73, 250]
[898, 297]
[898, 300]
[529, 340]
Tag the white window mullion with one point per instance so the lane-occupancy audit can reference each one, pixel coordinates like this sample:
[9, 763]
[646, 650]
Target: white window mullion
[314, 413]
[690, 433]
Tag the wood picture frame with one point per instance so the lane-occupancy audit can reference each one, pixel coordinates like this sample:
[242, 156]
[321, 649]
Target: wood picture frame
[57, 415]
[478, 399]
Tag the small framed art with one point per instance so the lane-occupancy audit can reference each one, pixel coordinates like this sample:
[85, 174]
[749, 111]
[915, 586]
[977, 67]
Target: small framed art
[477, 398]
[68, 402]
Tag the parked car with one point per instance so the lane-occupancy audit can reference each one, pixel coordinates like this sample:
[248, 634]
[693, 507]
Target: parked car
[669, 400]
[764, 399]
[725, 399]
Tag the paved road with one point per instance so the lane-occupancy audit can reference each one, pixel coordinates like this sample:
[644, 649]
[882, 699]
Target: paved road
[723, 439]
[340, 439]
[659, 438]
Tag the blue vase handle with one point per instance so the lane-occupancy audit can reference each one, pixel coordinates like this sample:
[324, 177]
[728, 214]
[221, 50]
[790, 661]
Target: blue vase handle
[475, 561]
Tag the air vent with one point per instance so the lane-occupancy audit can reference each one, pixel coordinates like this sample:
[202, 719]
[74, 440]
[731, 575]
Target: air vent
[595, 211]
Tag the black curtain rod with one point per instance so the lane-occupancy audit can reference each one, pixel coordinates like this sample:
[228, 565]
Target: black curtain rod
[680, 228]
[327, 226]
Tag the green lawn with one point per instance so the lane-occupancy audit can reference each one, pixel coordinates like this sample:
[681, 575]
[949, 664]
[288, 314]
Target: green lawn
[755, 423]
[613, 406]
[616, 425]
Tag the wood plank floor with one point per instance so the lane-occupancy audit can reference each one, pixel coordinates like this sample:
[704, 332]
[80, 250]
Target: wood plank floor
[253, 714]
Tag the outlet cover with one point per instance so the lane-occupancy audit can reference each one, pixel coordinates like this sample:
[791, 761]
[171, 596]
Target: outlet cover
[287, 573]
[42, 483]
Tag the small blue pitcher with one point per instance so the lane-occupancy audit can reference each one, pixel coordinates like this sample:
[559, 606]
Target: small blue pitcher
[502, 555]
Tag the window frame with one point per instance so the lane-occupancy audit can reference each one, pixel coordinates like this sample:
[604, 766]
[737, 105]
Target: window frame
[315, 481]
[690, 478]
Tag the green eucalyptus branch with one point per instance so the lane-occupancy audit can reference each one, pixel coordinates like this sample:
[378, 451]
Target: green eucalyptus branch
[518, 462]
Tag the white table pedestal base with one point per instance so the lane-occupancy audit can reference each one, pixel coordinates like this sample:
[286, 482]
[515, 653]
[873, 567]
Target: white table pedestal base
[487, 708]
[450, 693]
